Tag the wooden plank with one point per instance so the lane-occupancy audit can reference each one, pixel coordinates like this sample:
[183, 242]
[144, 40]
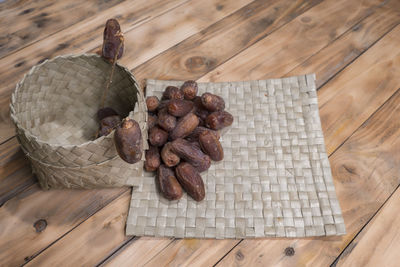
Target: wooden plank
[379, 242]
[74, 248]
[118, 244]
[327, 62]
[138, 253]
[369, 153]
[206, 50]
[40, 246]
[366, 172]
[28, 21]
[295, 42]
[228, 25]
[15, 172]
[165, 255]
[63, 210]
[142, 42]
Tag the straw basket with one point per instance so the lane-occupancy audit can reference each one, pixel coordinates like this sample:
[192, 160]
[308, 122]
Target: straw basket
[54, 109]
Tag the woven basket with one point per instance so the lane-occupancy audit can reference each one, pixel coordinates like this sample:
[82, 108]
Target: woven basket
[54, 109]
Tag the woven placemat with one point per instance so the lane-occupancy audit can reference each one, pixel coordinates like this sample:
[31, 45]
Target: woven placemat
[275, 179]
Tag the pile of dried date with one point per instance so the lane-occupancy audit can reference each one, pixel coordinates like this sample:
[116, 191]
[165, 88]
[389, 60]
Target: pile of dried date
[184, 138]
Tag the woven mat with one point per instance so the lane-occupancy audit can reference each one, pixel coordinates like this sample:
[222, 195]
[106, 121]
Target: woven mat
[275, 179]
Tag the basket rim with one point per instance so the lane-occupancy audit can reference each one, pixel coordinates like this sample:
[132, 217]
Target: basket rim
[97, 141]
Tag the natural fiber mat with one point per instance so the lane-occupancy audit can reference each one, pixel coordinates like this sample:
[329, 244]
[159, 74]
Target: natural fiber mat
[275, 179]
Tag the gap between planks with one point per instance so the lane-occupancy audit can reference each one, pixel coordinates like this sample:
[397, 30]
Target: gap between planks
[338, 73]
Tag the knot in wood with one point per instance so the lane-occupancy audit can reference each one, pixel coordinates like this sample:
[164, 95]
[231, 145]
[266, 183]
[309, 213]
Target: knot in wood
[289, 251]
[40, 225]
[239, 255]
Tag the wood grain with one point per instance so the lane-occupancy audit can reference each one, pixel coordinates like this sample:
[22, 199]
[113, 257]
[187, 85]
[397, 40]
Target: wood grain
[359, 90]
[366, 173]
[364, 164]
[83, 246]
[144, 39]
[331, 59]
[15, 171]
[155, 67]
[204, 51]
[62, 209]
[28, 21]
[357, 121]
[378, 244]
[295, 42]
[139, 253]
[84, 195]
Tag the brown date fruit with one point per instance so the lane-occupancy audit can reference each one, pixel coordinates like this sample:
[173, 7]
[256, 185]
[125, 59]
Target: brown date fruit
[211, 146]
[192, 154]
[172, 92]
[152, 159]
[166, 121]
[194, 136]
[218, 120]
[128, 141]
[152, 103]
[169, 158]
[108, 124]
[167, 183]
[157, 136]
[212, 102]
[106, 112]
[163, 105]
[189, 89]
[195, 144]
[112, 40]
[184, 126]
[199, 109]
[151, 121]
[179, 108]
[191, 181]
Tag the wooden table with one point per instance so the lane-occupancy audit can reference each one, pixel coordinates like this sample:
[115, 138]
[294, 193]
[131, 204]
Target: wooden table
[352, 46]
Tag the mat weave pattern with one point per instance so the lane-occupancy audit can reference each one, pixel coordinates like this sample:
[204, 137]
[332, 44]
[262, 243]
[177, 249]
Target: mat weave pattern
[54, 109]
[275, 179]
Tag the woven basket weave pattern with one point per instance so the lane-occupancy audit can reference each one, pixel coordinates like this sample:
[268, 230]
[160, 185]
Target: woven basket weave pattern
[54, 108]
[275, 179]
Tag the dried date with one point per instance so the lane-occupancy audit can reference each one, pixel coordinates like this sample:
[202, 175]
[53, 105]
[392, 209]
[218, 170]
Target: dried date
[108, 124]
[168, 184]
[191, 154]
[194, 136]
[179, 108]
[169, 158]
[151, 121]
[211, 146]
[152, 103]
[152, 159]
[212, 102]
[128, 141]
[191, 181]
[112, 40]
[172, 92]
[200, 110]
[166, 121]
[184, 126]
[157, 136]
[218, 120]
[189, 89]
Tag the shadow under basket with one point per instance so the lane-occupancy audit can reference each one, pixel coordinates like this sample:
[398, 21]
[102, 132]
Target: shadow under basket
[54, 109]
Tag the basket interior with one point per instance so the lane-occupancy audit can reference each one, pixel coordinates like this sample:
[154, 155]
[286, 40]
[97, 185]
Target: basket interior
[58, 101]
